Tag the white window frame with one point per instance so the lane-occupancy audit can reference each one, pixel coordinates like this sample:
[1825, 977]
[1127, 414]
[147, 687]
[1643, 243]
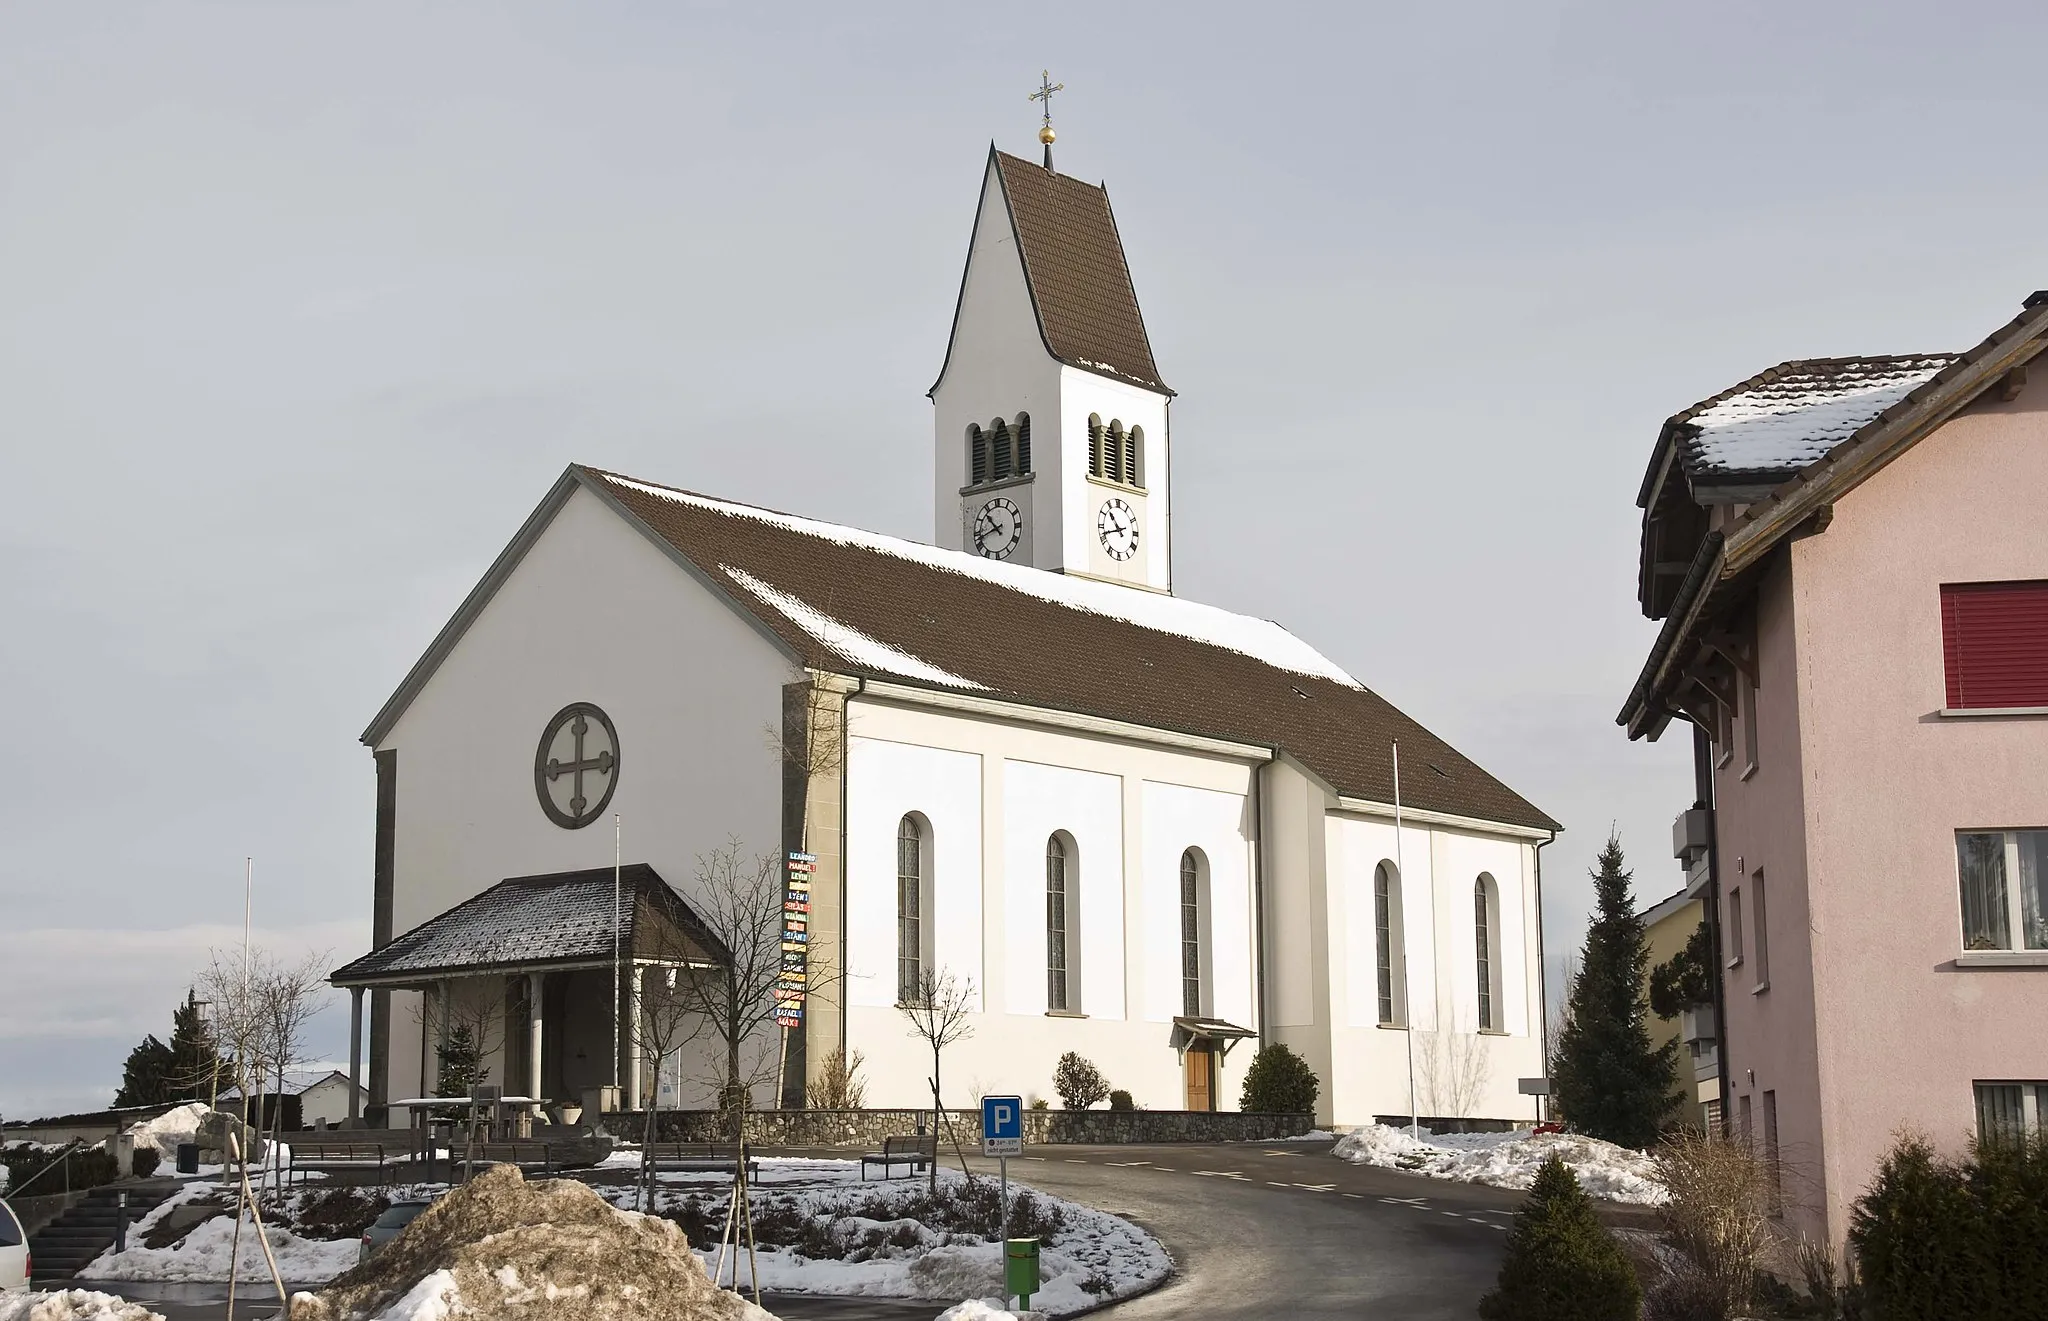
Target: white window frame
[1394, 967]
[2015, 898]
[2033, 1102]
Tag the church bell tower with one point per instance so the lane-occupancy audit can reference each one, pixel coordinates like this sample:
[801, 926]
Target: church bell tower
[1051, 419]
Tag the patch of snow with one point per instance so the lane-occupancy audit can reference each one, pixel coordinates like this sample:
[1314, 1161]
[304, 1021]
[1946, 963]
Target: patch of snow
[844, 639]
[978, 1309]
[1261, 639]
[72, 1305]
[203, 1253]
[1798, 417]
[1507, 1160]
[435, 1298]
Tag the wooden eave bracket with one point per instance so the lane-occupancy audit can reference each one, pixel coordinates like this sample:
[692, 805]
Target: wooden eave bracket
[2012, 384]
[1737, 652]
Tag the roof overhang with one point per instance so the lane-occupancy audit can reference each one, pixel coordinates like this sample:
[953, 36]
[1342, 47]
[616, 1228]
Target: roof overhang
[420, 979]
[1190, 1030]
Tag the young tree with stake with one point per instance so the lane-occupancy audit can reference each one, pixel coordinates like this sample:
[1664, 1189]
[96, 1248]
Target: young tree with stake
[937, 1007]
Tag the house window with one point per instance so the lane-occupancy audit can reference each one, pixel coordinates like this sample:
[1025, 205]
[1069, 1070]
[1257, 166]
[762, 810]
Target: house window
[1057, 860]
[1387, 940]
[1748, 726]
[1734, 932]
[910, 908]
[2003, 875]
[1762, 943]
[1994, 643]
[2007, 1111]
[1191, 934]
[1486, 948]
[1771, 1172]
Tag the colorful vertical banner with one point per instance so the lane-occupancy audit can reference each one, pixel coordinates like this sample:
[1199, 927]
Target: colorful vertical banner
[796, 939]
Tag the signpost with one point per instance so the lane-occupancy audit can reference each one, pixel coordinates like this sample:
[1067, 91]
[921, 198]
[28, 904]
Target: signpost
[796, 939]
[1002, 1136]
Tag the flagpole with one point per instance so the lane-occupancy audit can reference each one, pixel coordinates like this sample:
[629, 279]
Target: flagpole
[1407, 980]
[618, 863]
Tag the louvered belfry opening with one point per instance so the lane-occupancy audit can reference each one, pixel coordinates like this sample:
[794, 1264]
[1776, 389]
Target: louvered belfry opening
[1095, 444]
[1003, 445]
[1023, 443]
[977, 454]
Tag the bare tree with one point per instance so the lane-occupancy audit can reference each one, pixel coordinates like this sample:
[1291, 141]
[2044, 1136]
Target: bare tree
[668, 1022]
[1455, 1070]
[838, 1085]
[741, 902]
[937, 1008]
[289, 996]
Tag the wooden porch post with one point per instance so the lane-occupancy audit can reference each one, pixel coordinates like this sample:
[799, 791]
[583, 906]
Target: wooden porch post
[534, 1022]
[631, 1100]
[355, 1054]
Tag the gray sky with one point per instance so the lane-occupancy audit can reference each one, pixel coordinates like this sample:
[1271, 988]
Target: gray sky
[303, 307]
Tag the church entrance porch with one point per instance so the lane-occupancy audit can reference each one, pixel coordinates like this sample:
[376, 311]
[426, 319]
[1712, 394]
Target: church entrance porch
[541, 978]
[1203, 1043]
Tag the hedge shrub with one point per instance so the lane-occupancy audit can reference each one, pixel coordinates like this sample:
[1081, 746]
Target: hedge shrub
[1562, 1264]
[1279, 1083]
[1950, 1238]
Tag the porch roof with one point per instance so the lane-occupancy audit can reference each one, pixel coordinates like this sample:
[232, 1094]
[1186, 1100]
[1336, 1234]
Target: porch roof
[542, 923]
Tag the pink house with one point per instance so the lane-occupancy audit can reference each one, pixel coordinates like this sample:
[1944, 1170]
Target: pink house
[1850, 557]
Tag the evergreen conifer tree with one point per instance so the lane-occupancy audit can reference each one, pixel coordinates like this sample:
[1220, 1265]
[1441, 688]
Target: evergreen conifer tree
[157, 1074]
[1561, 1263]
[461, 1063]
[1607, 1078]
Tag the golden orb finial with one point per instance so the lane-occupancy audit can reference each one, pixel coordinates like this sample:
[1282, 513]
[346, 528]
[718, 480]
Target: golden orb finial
[1046, 135]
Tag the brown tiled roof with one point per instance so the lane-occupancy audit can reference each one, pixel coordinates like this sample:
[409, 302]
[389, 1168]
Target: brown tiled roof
[855, 603]
[1080, 282]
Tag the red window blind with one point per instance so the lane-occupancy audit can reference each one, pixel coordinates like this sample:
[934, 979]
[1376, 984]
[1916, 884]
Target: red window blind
[1994, 639]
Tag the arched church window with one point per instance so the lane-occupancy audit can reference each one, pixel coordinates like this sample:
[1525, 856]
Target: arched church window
[910, 908]
[1023, 444]
[977, 454]
[1134, 452]
[1058, 911]
[1113, 466]
[1095, 444]
[1389, 942]
[1191, 933]
[1486, 946]
[1004, 454]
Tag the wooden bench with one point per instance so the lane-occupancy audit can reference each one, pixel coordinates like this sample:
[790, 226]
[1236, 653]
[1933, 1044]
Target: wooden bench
[324, 1157]
[526, 1155]
[915, 1150]
[700, 1158]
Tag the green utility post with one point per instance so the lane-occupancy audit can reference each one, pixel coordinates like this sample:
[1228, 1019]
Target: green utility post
[1020, 1270]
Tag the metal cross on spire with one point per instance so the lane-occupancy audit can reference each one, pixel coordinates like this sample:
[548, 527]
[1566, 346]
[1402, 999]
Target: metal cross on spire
[1046, 87]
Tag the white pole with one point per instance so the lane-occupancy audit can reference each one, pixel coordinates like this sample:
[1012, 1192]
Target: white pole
[618, 864]
[1407, 980]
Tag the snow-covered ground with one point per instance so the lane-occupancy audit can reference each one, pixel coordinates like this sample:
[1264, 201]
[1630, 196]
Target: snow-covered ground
[1508, 1160]
[1090, 1258]
[72, 1305]
[203, 1254]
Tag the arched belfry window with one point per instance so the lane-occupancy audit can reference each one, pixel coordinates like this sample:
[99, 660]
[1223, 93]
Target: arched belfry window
[977, 454]
[1192, 919]
[1059, 914]
[1004, 450]
[1134, 453]
[1023, 444]
[1486, 949]
[913, 902]
[1095, 436]
[1389, 943]
[1113, 467]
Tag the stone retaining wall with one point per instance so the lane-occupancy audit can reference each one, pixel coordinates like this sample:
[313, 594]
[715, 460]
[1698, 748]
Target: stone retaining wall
[866, 1128]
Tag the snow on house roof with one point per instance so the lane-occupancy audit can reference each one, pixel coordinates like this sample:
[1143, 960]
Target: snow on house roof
[1780, 420]
[858, 603]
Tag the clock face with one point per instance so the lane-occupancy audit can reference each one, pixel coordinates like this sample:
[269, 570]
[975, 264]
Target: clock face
[998, 528]
[1116, 523]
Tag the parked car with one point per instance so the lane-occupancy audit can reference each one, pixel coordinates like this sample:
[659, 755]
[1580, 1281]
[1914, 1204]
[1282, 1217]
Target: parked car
[13, 1252]
[385, 1227]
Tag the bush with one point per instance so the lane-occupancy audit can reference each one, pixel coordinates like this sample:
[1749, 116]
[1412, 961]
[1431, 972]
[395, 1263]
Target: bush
[1041, 1103]
[1562, 1264]
[146, 1161]
[1079, 1083]
[1718, 1224]
[838, 1085]
[1941, 1238]
[1279, 1083]
[84, 1167]
[1121, 1100]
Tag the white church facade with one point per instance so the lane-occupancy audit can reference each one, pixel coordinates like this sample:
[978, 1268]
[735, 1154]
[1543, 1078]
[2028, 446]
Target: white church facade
[1147, 830]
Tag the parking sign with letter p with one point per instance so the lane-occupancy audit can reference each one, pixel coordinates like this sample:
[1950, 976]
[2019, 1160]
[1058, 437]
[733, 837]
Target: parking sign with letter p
[1002, 1125]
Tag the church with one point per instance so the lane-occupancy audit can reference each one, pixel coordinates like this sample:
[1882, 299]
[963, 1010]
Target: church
[1013, 760]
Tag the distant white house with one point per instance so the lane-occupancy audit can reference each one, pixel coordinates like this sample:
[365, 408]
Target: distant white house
[323, 1095]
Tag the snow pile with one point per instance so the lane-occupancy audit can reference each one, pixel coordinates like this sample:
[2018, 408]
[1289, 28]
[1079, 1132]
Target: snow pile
[1508, 1160]
[72, 1305]
[169, 1129]
[553, 1250]
[981, 1309]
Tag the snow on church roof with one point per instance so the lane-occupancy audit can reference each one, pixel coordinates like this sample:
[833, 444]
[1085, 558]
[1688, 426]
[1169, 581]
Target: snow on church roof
[1779, 421]
[859, 603]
